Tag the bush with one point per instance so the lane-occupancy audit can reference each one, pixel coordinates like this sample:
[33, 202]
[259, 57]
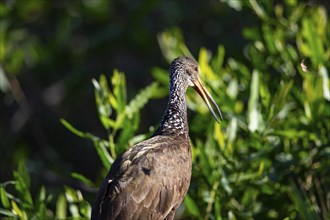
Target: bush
[268, 159]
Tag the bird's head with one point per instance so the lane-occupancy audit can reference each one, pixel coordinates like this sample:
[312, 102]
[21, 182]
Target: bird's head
[185, 70]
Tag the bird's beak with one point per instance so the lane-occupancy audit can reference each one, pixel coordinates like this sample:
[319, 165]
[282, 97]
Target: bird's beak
[200, 88]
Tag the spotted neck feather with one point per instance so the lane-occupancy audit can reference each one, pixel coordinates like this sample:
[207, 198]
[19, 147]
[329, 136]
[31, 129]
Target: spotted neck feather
[174, 121]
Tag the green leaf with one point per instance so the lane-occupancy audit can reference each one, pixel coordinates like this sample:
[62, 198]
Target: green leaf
[104, 99]
[17, 211]
[100, 144]
[102, 150]
[23, 185]
[290, 133]
[300, 201]
[83, 179]
[218, 60]
[265, 95]
[237, 5]
[141, 99]
[41, 204]
[72, 129]
[231, 131]
[61, 206]
[217, 208]
[171, 43]
[280, 101]
[225, 184]
[232, 89]
[192, 207]
[326, 86]
[42, 194]
[312, 46]
[281, 97]
[137, 139]
[4, 198]
[254, 115]
[85, 209]
[269, 38]
[77, 205]
[205, 68]
[119, 89]
[258, 9]
[8, 213]
[72, 197]
[251, 34]
[126, 134]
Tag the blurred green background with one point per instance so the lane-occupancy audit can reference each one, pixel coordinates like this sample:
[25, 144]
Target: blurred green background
[269, 158]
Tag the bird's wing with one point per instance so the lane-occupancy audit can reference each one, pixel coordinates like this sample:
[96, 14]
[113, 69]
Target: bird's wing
[146, 182]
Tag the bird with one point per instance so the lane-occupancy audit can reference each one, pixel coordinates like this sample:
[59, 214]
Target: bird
[150, 179]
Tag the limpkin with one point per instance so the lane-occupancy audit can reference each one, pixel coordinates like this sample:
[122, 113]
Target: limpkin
[150, 179]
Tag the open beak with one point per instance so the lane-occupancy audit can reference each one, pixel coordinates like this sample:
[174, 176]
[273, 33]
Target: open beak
[200, 88]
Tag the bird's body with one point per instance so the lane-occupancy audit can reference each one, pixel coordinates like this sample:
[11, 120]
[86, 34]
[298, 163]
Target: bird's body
[150, 180]
[144, 185]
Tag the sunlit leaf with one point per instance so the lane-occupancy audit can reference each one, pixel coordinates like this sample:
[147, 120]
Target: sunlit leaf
[118, 82]
[61, 206]
[313, 46]
[258, 9]
[102, 151]
[41, 205]
[206, 69]
[16, 210]
[104, 99]
[72, 197]
[219, 136]
[326, 84]
[4, 199]
[254, 115]
[85, 209]
[217, 61]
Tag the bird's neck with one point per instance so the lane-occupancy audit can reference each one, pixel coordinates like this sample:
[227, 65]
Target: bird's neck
[175, 118]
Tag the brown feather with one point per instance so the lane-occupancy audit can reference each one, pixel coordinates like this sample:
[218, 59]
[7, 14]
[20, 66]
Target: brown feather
[156, 189]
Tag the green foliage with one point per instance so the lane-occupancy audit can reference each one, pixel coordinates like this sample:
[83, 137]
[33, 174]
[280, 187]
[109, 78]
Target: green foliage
[119, 118]
[276, 153]
[115, 114]
[273, 146]
[172, 44]
[22, 206]
[268, 159]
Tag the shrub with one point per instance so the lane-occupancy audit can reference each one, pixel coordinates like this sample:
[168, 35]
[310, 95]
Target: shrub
[268, 159]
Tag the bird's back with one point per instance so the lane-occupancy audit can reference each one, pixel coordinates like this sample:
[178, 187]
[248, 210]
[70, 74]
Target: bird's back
[148, 181]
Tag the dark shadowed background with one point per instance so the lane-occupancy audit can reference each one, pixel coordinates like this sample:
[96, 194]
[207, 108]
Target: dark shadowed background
[51, 50]
[56, 48]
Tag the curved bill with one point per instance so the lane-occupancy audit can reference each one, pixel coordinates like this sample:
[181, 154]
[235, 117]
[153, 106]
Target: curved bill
[200, 88]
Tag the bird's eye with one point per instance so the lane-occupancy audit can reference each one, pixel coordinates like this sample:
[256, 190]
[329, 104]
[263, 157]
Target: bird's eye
[196, 68]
